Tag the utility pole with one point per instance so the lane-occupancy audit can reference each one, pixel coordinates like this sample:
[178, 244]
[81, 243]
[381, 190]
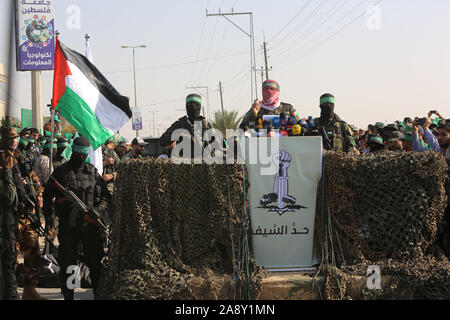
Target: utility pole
[254, 85]
[134, 75]
[221, 95]
[207, 97]
[262, 73]
[153, 122]
[265, 59]
[36, 99]
[221, 103]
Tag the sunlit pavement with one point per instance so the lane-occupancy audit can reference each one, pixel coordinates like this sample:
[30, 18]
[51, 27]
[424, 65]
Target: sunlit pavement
[55, 293]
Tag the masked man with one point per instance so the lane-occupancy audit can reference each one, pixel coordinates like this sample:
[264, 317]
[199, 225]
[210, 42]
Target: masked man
[270, 105]
[74, 226]
[335, 132]
[193, 110]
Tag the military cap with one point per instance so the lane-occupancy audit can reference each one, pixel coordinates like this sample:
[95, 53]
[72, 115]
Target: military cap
[395, 136]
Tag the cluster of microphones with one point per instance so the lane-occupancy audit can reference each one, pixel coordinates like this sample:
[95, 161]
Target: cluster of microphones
[282, 125]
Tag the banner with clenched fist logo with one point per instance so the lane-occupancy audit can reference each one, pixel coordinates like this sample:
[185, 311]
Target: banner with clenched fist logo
[282, 197]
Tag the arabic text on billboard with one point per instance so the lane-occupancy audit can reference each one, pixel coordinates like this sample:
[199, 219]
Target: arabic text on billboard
[35, 35]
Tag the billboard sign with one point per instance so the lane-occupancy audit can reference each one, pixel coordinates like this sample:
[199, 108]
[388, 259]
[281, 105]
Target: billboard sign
[35, 35]
[137, 119]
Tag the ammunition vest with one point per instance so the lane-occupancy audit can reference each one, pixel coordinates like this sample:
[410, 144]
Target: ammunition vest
[82, 183]
[335, 131]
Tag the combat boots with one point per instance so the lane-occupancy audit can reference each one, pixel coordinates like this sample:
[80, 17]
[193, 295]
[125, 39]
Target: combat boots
[30, 293]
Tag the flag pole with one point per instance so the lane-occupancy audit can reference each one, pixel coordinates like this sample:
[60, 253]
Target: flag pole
[52, 121]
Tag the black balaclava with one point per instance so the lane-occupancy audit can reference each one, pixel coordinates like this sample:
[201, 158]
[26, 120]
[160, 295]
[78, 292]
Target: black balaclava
[193, 106]
[81, 146]
[327, 111]
[61, 144]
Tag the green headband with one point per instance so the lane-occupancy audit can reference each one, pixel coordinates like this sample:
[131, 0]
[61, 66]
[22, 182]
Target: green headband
[62, 145]
[271, 85]
[24, 142]
[193, 99]
[327, 100]
[80, 149]
[31, 140]
[378, 139]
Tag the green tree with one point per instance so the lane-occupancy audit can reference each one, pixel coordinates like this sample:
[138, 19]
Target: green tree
[229, 120]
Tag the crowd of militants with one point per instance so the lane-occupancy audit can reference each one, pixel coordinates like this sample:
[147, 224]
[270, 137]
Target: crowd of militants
[29, 159]
[430, 133]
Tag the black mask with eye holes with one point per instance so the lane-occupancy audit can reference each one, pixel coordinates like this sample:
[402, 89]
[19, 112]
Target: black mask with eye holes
[193, 110]
[77, 160]
[327, 111]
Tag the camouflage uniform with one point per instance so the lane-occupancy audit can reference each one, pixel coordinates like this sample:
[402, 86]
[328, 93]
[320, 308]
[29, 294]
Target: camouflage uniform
[111, 169]
[8, 203]
[130, 156]
[8, 197]
[184, 123]
[58, 161]
[336, 134]
[27, 237]
[87, 184]
[288, 109]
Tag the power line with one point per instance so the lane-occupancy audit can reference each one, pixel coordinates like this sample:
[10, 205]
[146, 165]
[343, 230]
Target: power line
[218, 50]
[167, 101]
[209, 47]
[235, 3]
[304, 21]
[306, 35]
[242, 70]
[199, 47]
[178, 64]
[290, 21]
[334, 34]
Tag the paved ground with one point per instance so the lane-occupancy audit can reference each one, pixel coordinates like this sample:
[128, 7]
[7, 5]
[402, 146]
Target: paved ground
[55, 294]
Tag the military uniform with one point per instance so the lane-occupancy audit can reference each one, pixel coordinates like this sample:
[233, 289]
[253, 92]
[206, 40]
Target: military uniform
[58, 161]
[130, 156]
[249, 117]
[27, 237]
[111, 169]
[184, 123]
[336, 134]
[88, 185]
[8, 198]
[9, 203]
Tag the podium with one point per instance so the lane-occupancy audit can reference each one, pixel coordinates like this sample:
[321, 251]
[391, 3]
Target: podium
[284, 174]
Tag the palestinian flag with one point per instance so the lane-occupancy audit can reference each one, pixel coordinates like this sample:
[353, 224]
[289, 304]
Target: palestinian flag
[86, 98]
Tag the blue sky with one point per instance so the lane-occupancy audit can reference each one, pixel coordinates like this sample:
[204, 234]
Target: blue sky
[399, 70]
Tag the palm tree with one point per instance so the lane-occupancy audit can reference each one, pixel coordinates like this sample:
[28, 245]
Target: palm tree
[229, 120]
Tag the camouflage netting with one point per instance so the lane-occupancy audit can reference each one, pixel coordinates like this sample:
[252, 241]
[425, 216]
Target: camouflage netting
[384, 210]
[172, 236]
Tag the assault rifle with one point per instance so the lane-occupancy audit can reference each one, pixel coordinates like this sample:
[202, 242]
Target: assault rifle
[34, 219]
[327, 144]
[91, 213]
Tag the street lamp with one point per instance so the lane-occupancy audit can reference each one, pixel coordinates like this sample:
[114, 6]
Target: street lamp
[134, 72]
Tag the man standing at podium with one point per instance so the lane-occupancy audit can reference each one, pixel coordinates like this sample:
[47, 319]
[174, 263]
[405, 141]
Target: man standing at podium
[335, 132]
[270, 105]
